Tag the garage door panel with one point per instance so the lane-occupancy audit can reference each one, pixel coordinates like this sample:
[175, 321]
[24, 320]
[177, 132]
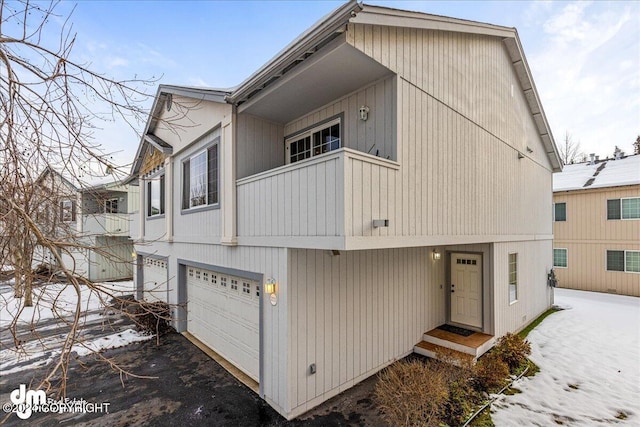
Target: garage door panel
[154, 279]
[223, 312]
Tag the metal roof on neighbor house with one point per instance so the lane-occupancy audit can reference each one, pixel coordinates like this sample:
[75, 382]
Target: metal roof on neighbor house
[605, 173]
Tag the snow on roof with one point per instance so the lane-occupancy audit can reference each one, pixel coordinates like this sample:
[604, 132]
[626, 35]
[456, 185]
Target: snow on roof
[605, 173]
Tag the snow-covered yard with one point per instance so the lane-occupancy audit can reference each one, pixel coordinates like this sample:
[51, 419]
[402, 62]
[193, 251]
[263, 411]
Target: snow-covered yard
[589, 358]
[43, 327]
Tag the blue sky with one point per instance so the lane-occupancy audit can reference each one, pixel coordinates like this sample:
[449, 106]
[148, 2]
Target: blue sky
[584, 56]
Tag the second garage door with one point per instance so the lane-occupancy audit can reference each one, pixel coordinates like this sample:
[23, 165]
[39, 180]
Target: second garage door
[223, 313]
[154, 278]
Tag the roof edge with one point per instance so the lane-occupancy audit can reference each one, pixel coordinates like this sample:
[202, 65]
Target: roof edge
[308, 39]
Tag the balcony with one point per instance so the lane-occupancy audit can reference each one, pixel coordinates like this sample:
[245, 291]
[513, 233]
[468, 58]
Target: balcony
[107, 224]
[319, 203]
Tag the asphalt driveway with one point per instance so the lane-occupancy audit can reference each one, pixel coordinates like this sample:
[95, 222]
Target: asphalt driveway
[191, 389]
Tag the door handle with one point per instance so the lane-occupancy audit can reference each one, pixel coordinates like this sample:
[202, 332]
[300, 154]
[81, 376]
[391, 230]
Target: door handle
[452, 286]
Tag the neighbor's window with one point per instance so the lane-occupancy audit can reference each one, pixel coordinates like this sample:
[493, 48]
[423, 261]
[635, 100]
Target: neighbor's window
[200, 179]
[559, 211]
[155, 196]
[67, 211]
[628, 261]
[560, 257]
[628, 208]
[111, 206]
[513, 277]
[313, 142]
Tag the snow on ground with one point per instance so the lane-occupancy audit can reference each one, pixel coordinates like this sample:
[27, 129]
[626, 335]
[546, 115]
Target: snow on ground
[589, 359]
[54, 300]
[54, 306]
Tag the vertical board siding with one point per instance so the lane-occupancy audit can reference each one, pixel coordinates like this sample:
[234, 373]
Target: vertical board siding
[460, 131]
[371, 136]
[193, 225]
[309, 193]
[188, 120]
[534, 295]
[113, 262]
[354, 313]
[260, 145]
[587, 234]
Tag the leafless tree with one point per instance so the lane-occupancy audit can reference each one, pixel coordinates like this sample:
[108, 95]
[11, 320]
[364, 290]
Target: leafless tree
[636, 145]
[50, 107]
[570, 150]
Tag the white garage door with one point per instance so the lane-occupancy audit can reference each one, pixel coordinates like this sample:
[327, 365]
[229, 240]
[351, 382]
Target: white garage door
[224, 314]
[154, 279]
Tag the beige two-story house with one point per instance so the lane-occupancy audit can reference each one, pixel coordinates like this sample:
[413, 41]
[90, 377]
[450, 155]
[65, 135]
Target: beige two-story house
[597, 225]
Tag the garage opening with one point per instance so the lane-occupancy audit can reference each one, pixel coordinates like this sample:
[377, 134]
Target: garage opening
[223, 312]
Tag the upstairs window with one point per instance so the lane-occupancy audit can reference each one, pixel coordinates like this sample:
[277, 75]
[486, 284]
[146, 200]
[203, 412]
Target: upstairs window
[200, 179]
[559, 211]
[628, 208]
[313, 142]
[67, 211]
[155, 196]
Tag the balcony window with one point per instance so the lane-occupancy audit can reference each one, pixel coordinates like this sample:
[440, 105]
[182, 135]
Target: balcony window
[111, 206]
[315, 141]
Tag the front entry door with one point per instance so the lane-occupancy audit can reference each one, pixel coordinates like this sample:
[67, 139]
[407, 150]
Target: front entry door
[466, 289]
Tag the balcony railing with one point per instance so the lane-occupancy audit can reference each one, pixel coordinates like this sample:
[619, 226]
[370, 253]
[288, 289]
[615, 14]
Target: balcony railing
[109, 224]
[327, 198]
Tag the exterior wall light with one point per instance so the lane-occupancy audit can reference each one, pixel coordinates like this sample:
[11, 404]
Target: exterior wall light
[270, 288]
[364, 113]
[436, 255]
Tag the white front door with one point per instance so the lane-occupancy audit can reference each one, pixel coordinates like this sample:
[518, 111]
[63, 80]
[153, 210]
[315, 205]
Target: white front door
[466, 289]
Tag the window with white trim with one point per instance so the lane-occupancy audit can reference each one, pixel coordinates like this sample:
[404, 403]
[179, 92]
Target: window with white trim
[155, 196]
[513, 278]
[628, 208]
[200, 179]
[560, 257]
[560, 211]
[626, 261]
[315, 141]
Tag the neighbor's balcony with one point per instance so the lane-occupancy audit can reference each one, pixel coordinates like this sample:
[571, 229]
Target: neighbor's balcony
[319, 202]
[110, 224]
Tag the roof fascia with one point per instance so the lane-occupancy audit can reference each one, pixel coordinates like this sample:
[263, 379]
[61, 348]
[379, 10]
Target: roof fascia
[519, 61]
[376, 15]
[314, 36]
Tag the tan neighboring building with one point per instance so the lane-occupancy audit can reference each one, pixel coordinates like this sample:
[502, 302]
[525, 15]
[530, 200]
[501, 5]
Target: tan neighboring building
[596, 229]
